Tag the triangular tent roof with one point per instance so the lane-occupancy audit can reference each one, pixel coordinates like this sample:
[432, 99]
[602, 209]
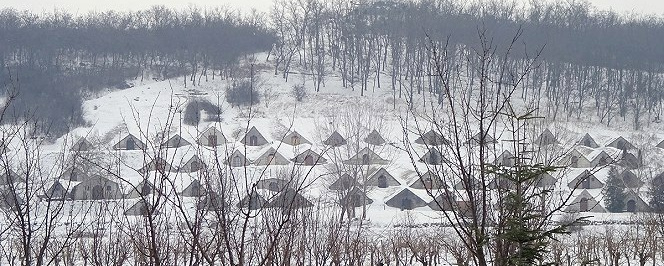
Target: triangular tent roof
[140, 208]
[365, 157]
[405, 200]
[374, 138]
[335, 140]
[660, 144]
[9, 176]
[585, 180]
[431, 138]
[600, 158]
[143, 188]
[505, 159]
[375, 179]
[295, 139]
[546, 138]
[237, 159]
[545, 180]
[428, 181]
[433, 156]
[254, 138]
[272, 184]
[309, 157]
[630, 180]
[475, 139]
[355, 198]
[175, 142]
[585, 202]
[194, 189]
[445, 201]
[621, 144]
[157, 164]
[204, 138]
[253, 201]
[588, 141]
[289, 199]
[81, 145]
[637, 203]
[271, 157]
[345, 182]
[123, 144]
[194, 164]
[629, 161]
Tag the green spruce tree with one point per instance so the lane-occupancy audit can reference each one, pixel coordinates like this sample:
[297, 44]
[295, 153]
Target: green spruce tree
[614, 192]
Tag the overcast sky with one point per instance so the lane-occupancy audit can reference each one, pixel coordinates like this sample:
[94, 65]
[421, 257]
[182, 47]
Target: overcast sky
[84, 6]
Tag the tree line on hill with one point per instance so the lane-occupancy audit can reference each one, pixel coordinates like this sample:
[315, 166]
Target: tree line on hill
[57, 59]
[591, 62]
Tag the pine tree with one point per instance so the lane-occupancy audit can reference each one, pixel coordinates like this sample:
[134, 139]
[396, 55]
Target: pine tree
[657, 194]
[614, 192]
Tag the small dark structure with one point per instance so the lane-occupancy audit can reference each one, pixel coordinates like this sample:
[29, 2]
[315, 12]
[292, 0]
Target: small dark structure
[96, 188]
[272, 184]
[194, 164]
[143, 189]
[545, 180]
[345, 182]
[634, 202]
[8, 176]
[254, 138]
[355, 198]
[433, 157]
[271, 157]
[629, 160]
[309, 157]
[130, 142]
[237, 159]
[429, 181]
[382, 179]
[546, 138]
[588, 141]
[406, 200]
[140, 208]
[295, 139]
[211, 137]
[289, 199]
[157, 164]
[335, 140]
[175, 142]
[446, 201]
[630, 180]
[585, 202]
[621, 144]
[193, 190]
[81, 145]
[365, 157]
[431, 138]
[585, 180]
[252, 201]
[374, 138]
[477, 138]
[506, 159]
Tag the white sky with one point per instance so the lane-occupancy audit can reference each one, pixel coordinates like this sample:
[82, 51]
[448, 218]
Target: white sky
[655, 7]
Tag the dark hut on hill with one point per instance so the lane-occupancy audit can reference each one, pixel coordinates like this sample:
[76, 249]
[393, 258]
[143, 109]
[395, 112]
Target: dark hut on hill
[254, 138]
[81, 145]
[585, 180]
[431, 138]
[252, 201]
[374, 138]
[588, 141]
[382, 179]
[345, 182]
[335, 140]
[130, 142]
[193, 189]
[309, 157]
[271, 157]
[289, 199]
[175, 142]
[406, 200]
[194, 164]
[433, 157]
[621, 144]
[355, 198]
[429, 181]
[585, 202]
[295, 139]
[211, 137]
[237, 159]
[546, 138]
[272, 184]
[365, 157]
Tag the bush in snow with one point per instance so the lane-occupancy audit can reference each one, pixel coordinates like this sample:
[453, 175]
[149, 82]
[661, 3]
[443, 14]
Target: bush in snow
[242, 92]
[299, 92]
[192, 112]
